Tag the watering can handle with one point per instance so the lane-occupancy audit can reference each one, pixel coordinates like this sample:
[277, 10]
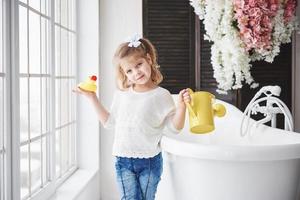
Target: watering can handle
[189, 107]
[191, 110]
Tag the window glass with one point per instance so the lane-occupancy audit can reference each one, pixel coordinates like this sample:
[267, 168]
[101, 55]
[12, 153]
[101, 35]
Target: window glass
[73, 145]
[44, 7]
[45, 178]
[58, 103]
[64, 67]
[35, 107]
[64, 12]
[35, 4]
[72, 24]
[45, 106]
[58, 145]
[23, 41]
[65, 149]
[57, 11]
[44, 46]
[24, 171]
[57, 51]
[73, 101]
[72, 53]
[23, 109]
[34, 43]
[36, 165]
[65, 91]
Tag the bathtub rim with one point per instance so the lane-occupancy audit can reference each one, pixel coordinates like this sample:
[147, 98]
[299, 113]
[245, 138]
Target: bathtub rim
[226, 152]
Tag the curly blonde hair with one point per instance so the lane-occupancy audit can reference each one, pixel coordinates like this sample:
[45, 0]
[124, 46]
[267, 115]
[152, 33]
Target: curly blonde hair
[145, 49]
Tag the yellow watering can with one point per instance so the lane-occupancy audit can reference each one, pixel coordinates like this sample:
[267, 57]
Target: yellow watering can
[202, 111]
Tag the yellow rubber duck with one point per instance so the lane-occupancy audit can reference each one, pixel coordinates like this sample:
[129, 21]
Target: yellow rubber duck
[89, 84]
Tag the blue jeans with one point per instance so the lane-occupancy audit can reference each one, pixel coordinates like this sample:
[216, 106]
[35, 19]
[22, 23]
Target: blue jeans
[138, 177]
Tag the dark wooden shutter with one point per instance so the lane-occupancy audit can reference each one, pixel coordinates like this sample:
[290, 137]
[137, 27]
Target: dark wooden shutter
[205, 80]
[169, 25]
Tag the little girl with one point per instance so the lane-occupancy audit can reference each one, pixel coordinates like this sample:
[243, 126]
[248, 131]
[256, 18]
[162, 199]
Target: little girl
[140, 112]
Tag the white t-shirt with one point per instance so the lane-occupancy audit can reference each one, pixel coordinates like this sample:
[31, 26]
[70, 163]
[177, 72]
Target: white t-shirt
[139, 119]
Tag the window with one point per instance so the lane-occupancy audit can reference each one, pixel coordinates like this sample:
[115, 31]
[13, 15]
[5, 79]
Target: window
[47, 106]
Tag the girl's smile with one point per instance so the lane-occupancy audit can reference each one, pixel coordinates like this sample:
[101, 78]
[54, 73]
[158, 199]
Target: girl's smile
[140, 77]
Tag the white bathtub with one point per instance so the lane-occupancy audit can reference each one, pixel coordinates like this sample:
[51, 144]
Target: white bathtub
[221, 165]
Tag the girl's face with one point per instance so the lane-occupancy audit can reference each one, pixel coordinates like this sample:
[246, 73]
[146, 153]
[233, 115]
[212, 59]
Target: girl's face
[137, 70]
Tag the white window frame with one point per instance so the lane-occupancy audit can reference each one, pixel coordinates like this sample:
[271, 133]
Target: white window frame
[6, 172]
[49, 189]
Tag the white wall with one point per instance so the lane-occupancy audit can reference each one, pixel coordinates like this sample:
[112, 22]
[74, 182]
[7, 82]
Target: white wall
[88, 125]
[118, 20]
[88, 64]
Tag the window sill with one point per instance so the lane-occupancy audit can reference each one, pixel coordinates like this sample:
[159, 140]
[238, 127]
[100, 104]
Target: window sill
[75, 185]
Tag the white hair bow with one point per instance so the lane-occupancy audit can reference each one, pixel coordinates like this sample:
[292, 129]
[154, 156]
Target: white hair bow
[134, 41]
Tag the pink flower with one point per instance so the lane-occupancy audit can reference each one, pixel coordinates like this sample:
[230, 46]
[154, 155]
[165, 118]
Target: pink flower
[254, 22]
[290, 9]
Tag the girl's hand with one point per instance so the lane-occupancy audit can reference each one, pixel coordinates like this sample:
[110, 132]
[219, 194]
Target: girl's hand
[183, 98]
[83, 92]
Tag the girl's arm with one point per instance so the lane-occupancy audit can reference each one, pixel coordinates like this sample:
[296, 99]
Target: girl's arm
[101, 112]
[179, 117]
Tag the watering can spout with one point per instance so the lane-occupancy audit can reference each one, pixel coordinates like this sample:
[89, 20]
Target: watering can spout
[202, 111]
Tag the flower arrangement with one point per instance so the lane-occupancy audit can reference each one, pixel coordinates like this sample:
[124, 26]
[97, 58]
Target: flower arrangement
[243, 31]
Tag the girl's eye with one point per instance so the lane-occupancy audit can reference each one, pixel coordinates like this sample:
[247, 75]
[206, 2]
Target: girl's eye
[128, 72]
[139, 64]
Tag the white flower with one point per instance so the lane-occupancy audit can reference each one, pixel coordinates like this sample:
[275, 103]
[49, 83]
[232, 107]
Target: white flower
[199, 6]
